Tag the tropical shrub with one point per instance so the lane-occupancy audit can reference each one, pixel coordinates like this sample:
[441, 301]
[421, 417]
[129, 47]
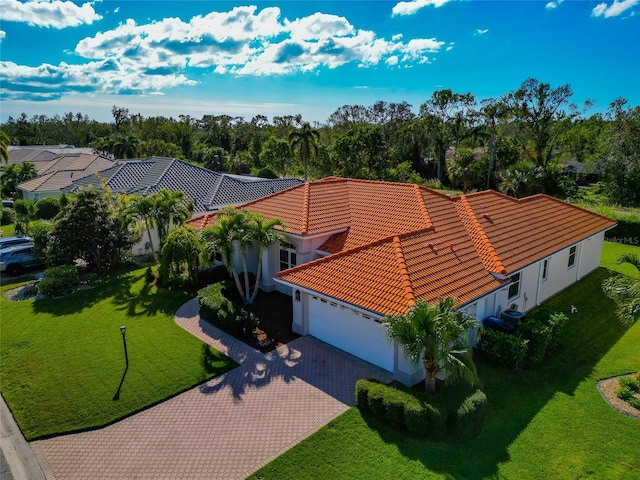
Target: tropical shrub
[541, 328]
[8, 216]
[217, 309]
[266, 172]
[503, 348]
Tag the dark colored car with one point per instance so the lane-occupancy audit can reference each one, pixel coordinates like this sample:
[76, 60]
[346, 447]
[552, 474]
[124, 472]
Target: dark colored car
[17, 259]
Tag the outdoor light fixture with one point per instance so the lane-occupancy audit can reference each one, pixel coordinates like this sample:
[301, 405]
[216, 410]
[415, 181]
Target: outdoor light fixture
[123, 330]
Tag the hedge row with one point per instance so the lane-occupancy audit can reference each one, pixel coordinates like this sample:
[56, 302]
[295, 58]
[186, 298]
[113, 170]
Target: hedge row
[413, 411]
[222, 312]
[535, 338]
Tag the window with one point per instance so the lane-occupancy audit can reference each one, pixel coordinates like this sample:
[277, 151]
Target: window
[572, 256]
[545, 269]
[217, 256]
[514, 288]
[287, 256]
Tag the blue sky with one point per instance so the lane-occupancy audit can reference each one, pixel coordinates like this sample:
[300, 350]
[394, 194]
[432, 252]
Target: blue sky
[308, 57]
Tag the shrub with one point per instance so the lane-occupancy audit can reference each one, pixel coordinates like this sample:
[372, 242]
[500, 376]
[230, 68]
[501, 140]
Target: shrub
[57, 280]
[503, 348]
[467, 420]
[219, 310]
[47, 208]
[8, 216]
[266, 172]
[428, 416]
[542, 328]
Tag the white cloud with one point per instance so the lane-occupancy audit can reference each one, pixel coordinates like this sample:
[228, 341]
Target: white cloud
[2, 35]
[51, 14]
[481, 32]
[553, 4]
[613, 10]
[150, 57]
[412, 6]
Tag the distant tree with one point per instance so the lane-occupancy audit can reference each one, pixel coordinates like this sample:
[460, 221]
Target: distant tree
[304, 141]
[441, 113]
[493, 111]
[9, 180]
[125, 146]
[436, 336]
[275, 154]
[4, 144]
[542, 114]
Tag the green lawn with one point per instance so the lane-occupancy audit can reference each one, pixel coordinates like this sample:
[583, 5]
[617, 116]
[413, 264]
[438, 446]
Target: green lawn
[610, 253]
[547, 422]
[7, 230]
[62, 360]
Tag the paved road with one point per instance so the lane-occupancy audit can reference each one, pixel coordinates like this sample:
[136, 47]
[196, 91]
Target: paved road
[226, 428]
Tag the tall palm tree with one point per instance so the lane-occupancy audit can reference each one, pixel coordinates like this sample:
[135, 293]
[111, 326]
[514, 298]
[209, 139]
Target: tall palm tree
[625, 290]
[125, 146]
[304, 141]
[143, 209]
[27, 171]
[436, 335]
[172, 210]
[263, 231]
[4, 146]
[9, 179]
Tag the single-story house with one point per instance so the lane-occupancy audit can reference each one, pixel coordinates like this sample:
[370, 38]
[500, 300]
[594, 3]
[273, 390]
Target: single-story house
[209, 190]
[584, 173]
[357, 250]
[60, 172]
[42, 156]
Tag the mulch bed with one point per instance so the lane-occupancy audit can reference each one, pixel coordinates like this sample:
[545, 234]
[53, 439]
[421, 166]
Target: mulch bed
[607, 389]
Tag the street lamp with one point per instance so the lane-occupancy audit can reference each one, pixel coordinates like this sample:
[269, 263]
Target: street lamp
[123, 330]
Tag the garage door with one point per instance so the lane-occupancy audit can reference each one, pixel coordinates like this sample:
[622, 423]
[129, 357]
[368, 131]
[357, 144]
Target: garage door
[356, 334]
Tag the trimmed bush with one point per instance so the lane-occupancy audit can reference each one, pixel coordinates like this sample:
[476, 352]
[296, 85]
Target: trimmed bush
[58, 280]
[266, 172]
[453, 416]
[222, 312]
[47, 208]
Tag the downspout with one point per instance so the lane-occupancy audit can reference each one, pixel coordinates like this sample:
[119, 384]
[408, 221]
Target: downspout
[580, 245]
[540, 280]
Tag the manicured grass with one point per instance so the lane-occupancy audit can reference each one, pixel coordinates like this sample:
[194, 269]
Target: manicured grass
[610, 253]
[547, 422]
[63, 364]
[7, 230]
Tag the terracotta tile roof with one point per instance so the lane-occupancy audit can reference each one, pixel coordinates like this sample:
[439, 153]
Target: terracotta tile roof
[525, 230]
[399, 242]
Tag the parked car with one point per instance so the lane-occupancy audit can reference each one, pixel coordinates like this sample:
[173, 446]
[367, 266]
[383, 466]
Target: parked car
[7, 242]
[7, 203]
[15, 260]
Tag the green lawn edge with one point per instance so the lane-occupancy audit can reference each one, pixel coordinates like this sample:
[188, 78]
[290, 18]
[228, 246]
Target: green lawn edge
[62, 360]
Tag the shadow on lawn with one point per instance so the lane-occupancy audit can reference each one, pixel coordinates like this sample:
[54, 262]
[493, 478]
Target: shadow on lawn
[516, 398]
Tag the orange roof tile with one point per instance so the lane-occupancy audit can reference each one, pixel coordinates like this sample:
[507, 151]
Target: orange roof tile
[401, 242]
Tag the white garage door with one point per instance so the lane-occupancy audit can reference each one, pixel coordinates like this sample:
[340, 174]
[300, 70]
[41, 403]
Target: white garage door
[343, 328]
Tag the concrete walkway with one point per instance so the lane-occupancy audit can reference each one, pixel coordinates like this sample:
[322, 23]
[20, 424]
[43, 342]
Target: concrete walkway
[225, 428]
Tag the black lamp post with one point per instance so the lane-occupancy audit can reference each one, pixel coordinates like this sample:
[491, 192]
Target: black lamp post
[123, 330]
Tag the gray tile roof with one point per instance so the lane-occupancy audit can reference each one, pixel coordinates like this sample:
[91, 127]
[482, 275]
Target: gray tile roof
[209, 190]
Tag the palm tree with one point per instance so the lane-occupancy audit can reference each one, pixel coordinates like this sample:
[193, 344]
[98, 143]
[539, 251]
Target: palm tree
[4, 146]
[172, 209]
[27, 171]
[221, 237]
[143, 209]
[625, 290]
[25, 212]
[125, 146]
[263, 232]
[9, 179]
[305, 140]
[437, 336]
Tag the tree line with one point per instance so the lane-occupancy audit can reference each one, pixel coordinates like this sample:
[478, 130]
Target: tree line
[516, 143]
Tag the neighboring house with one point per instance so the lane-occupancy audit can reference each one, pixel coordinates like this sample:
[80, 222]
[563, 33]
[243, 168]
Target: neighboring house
[60, 172]
[42, 156]
[584, 173]
[358, 250]
[209, 190]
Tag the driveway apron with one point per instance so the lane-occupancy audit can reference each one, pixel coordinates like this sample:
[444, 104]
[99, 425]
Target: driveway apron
[225, 428]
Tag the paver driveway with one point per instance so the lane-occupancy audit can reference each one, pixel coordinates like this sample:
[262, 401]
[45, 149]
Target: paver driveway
[226, 428]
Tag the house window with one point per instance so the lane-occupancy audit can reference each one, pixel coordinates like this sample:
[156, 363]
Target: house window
[287, 256]
[297, 295]
[545, 269]
[572, 256]
[514, 288]
[217, 256]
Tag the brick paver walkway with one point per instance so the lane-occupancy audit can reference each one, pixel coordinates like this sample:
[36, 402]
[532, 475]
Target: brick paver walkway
[226, 428]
